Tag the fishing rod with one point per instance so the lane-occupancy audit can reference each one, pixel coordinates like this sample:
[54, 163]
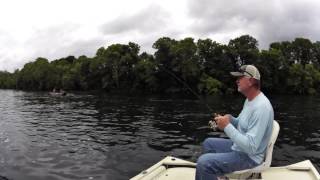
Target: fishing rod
[213, 124]
[188, 87]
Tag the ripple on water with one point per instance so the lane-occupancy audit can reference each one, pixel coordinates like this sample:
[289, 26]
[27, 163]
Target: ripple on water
[115, 137]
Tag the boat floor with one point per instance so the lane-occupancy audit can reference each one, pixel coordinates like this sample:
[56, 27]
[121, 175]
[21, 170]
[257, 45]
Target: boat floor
[171, 168]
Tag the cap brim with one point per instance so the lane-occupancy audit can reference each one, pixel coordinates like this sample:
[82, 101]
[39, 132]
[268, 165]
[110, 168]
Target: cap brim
[237, 74]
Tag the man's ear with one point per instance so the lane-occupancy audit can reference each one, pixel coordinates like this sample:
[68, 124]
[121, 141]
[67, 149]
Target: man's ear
[251, 82]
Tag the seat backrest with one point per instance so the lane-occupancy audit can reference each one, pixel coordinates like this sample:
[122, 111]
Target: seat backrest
[268, 157]
[272, 141]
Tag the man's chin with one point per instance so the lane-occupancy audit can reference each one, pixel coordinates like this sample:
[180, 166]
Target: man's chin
[241, 91]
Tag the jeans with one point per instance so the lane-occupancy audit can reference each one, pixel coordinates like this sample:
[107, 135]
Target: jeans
[219, 159]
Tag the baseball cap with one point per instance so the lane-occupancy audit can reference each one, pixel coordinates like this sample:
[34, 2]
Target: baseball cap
[247, 70]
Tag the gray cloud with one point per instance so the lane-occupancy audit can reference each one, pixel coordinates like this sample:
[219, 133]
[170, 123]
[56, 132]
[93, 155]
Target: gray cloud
[86, 47]
[59, 41]
[143, 28]
[221, 20]
[152, 18]
[9, 59]
[268, 21]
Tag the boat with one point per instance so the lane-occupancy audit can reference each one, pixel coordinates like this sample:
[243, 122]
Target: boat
[172, 168]
[58, 93]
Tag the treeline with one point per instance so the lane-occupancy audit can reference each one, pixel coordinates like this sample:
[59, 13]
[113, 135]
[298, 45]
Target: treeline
[290, 67]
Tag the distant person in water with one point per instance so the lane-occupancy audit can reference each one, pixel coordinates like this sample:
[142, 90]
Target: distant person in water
[63, 93]
[249, 133]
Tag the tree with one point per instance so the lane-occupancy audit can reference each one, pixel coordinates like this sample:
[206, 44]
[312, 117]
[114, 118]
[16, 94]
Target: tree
[185, 63]
[116, 65]
[7, 80]
[38, 75]
[274, 69]
[209, 85]
[204, 66]
[164, 60]
[216, 61]
[316, 50]
[302, 51]
[144, 74]
[244, 49]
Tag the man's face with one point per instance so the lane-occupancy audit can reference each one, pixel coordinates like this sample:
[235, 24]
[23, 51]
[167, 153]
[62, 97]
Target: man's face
[243, 83]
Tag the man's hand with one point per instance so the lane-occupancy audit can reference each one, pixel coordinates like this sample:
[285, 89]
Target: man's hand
[222, 121]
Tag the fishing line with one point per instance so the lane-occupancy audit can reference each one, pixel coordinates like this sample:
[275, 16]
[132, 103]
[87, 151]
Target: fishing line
[212, 123]
[188, 87]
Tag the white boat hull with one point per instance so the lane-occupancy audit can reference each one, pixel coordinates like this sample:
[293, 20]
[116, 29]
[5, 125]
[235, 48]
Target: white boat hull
[171, 168]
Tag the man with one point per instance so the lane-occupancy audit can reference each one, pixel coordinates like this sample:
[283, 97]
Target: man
[249, 133]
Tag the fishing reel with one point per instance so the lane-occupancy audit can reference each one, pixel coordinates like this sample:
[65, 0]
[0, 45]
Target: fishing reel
[212, 123]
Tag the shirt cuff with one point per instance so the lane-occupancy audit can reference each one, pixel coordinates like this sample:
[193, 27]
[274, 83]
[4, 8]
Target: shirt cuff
[230, 130]
[231, 118]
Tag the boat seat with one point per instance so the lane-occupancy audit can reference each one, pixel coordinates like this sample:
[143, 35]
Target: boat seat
[268, 158]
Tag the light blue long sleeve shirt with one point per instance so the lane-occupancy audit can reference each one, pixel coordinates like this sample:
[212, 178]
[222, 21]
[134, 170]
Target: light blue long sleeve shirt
[251, 130]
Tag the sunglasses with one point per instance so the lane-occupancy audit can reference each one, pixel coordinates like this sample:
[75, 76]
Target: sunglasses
[244, 71]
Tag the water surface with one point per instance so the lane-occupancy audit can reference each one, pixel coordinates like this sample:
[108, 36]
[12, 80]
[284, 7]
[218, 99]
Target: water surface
[83, 136]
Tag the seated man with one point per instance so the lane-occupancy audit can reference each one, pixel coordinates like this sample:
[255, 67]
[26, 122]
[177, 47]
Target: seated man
[249, 133]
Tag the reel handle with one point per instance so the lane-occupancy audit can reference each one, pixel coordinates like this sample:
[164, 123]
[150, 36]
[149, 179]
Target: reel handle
[212, 123]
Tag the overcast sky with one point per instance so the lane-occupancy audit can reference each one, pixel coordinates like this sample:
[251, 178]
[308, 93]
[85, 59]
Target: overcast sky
[59, 28]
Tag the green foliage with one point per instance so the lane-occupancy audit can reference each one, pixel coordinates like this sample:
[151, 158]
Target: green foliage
[144, 74]
[38, 75]
[273, 69]
[7, 80]
[115, 65]
[209, 85]
[244, 49]
[216, 61]
[291, 67]
[303, 80]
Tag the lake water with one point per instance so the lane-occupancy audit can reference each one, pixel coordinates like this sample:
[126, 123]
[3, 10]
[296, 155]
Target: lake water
[83, 136]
